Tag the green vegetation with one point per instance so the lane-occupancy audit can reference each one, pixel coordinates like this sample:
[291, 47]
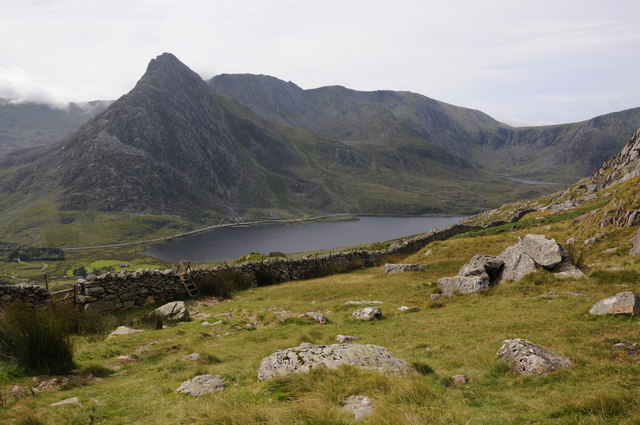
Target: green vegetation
[16, 252]
[38, 340]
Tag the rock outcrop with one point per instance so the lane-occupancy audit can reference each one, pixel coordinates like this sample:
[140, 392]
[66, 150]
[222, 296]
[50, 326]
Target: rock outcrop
[390, 268]
[303, 358]
[359, 405]
[622, 167]
[626, 303]
[526, 358]
[202, 384]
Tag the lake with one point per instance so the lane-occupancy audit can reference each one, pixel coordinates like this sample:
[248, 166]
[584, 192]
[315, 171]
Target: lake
[229, 243]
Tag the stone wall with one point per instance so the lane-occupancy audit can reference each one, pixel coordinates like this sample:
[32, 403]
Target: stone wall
[111, 292]
[31, 295]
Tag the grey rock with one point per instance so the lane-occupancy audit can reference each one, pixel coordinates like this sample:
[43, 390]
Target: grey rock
[390, 268]
[362, 302]
[463, 284]
[571, 241]
[479, 265]
[526, 358]
[542, 249]
[626, 303]
[435, 297]
[517, 264]
[359, 405]
[72, 400]
[458, 380]
[346, 338]
[123, 330]
[302, 359]
[194, 357]
[609, 251]
[202, 384]
[368, 313]
[318, 317]
[175, 311]
[406, 309]
[568, 270]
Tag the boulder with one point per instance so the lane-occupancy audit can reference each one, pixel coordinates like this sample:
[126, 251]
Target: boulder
[568, 270]
[622, 303]
[458, 380]
[302, 359]
[526, 358]
[318, 317]
[359, 405]
[368, 313]
[635, 245]
[346, 338]
[517, 264]
[175, 311]
[123, 330]
[202, 384]
[72, 400]
[542, 249]
[480, 272]
[390, 268]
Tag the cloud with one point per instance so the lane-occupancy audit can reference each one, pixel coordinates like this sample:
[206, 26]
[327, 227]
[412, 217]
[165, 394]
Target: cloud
[18, 86]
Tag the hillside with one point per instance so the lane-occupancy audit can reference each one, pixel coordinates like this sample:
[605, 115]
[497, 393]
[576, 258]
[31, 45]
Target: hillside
[172, 153]
[133, 378]
[27, 125]
[563, 152]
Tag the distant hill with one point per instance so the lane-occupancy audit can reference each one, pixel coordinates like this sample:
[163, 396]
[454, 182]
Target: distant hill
[564, 152]
[26, 125]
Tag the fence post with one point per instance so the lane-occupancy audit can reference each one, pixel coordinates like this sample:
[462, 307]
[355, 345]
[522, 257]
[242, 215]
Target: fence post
[46, 282]
[75, 295]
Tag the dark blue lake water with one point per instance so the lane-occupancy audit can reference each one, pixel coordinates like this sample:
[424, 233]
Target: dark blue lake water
[232, 242]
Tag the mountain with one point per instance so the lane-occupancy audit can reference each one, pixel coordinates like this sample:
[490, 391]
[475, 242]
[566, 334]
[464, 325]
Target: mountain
[564, 152]
[26, 125]
[173, 149]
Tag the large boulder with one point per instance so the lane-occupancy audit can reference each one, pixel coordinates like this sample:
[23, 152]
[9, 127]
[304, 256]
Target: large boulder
[390, 268]
[303, 358]
[622, 303]
[480, 272]
[542, 249]
[202, 384]
[175, 311]
[526, 358]
[517, 264]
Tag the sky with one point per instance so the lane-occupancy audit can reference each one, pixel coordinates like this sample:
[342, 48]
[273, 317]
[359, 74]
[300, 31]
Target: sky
[522, 62]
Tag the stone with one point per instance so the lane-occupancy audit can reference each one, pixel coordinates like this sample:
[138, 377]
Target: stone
[635, 245]
[72, 400]
[435, 297]
[149, 300]
[390, 268]
[463, 284]
[609, 251]
[479, 265]
[18, 392]
[458, 380]
[359, 405]
[175, 311]
[318, 317]
[568, 270]
[571, 241]
[406, 309]
[123, 330]
[194, 357]
[362, 302]
[302, 359]
[517, 264]
[202, 384]
[346, 338]
[526, 358]
[622, 303]
[368, 313]
[542, 249]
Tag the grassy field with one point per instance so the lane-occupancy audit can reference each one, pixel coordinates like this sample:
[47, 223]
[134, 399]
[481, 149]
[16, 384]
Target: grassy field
[443, 338]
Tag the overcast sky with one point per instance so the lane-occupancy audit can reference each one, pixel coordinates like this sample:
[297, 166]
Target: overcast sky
[533, 62]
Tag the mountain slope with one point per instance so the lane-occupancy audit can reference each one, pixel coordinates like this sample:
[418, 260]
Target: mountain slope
[563, 152]
[25, 125]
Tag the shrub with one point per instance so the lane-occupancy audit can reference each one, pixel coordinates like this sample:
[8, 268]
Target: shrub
[38, 340]
[224, 284]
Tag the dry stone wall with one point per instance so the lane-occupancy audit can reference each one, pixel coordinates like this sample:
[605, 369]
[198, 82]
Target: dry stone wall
[31, 295]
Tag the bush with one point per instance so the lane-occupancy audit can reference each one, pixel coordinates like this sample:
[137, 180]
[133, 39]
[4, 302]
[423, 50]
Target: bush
[38, 340]
[224, 284]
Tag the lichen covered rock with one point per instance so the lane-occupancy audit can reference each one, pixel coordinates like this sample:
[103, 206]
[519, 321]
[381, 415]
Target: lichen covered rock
[626, 303]
[302, 359]
[526, 358]
[202, 384]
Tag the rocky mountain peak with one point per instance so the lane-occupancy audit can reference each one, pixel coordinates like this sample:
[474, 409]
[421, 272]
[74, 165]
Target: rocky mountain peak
[622, 167]
[167, 73]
